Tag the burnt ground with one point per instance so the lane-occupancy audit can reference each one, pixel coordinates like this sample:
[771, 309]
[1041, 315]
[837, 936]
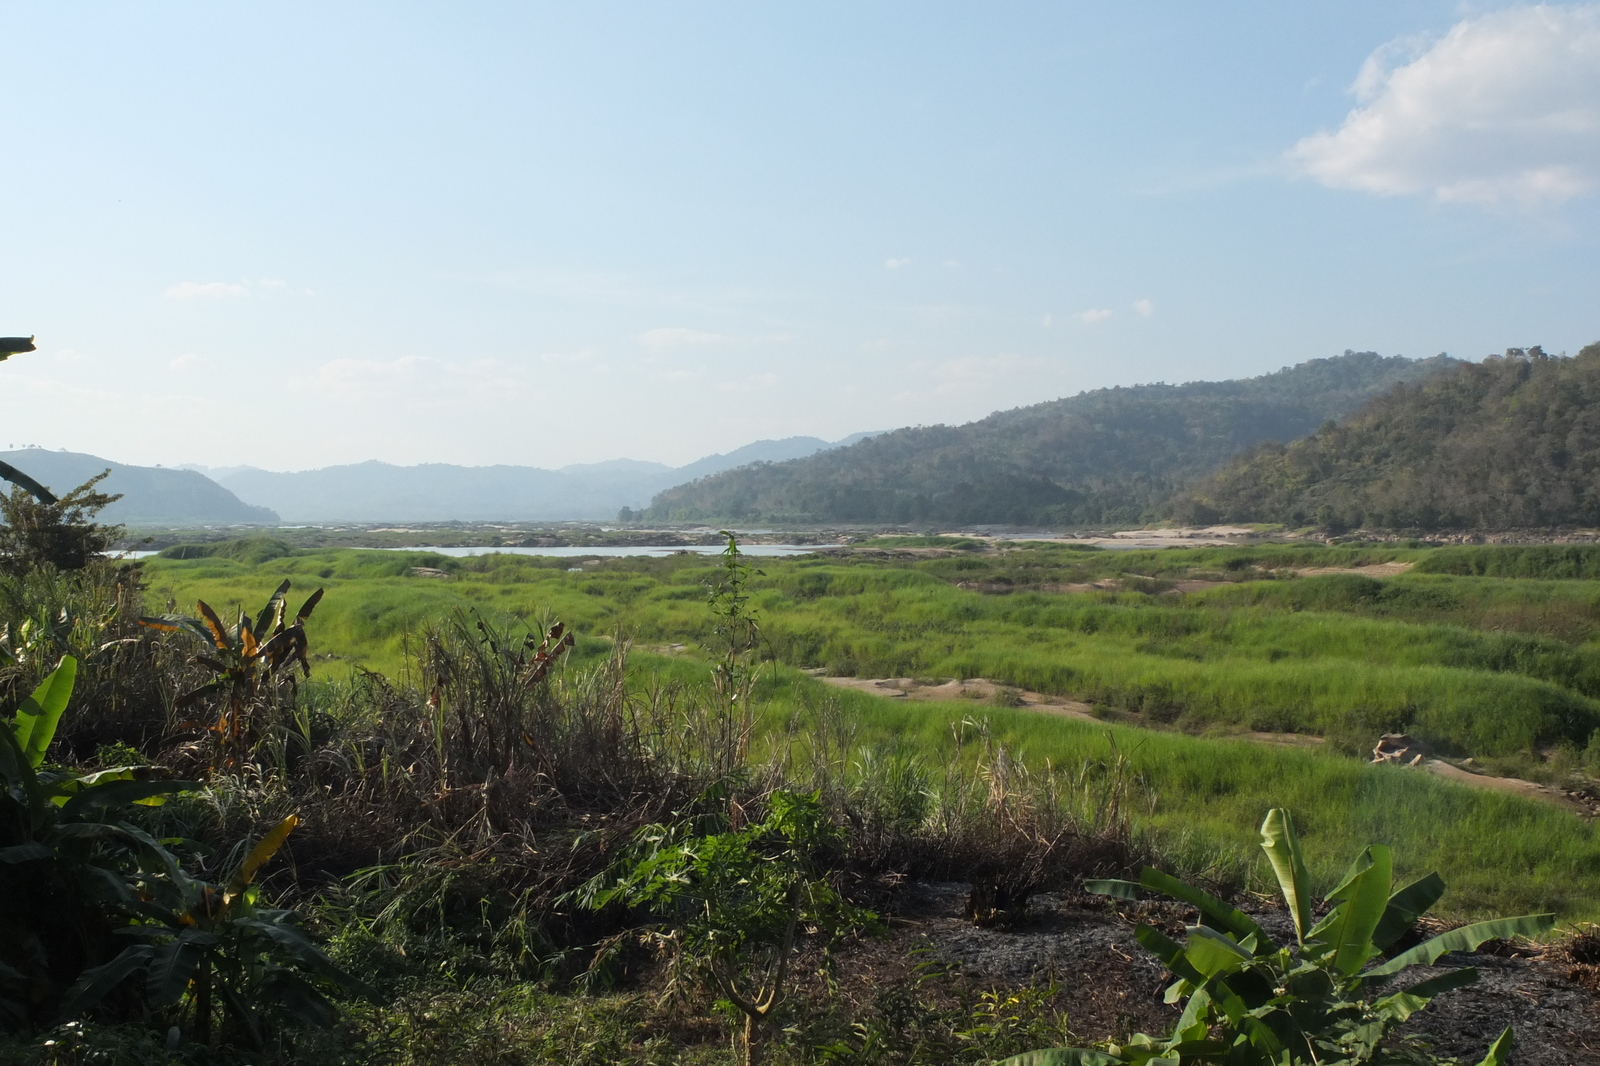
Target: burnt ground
[1112, 987]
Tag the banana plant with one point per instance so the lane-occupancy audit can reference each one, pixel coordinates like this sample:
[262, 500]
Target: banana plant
[1326, 1000]
[10, 346]
[18, 478]
[210, 948]
[69, 871]
[246, 659]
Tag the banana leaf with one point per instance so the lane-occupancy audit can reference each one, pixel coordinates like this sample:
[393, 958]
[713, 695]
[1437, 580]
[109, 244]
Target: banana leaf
[1500, 1051]
[119, 793]
[1282, 845]
[1467, 938]
[1211, 953]
[17, 477]
[1213, 911]
[272, 614]
[1114, 887]
[1364, 897]
[1405, 907]
[259, 855]
[1402, 1005]
[94, 984]
[41, 712]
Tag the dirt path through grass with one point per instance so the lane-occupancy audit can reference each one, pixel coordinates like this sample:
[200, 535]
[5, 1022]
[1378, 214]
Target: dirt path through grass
[982, 690]
[1370, 570]
[955, 690]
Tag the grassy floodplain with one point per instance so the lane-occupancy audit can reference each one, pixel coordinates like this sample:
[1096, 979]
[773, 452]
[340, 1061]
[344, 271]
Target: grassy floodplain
[1496, 667]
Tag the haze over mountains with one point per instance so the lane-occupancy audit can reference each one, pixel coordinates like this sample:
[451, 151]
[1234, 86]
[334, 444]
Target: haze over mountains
[151, 495]
[1360, 439]
[442, 492]
[1106, 456]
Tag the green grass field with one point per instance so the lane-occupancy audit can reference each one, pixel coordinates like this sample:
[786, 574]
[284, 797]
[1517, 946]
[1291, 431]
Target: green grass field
[1481, 665]
[1204, 800]
[1487, 667]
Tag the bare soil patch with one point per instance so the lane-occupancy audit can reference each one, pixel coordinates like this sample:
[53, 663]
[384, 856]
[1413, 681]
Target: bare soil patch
[1578, 801]
[1113, 987]
[1371, 570]
[952, 689]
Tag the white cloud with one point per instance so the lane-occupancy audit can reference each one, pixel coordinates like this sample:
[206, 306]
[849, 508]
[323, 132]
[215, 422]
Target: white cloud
[205, 290]
[183, 362]
[1144, 308]
[1505, 108]
[669, 337]
[273, 284]
[1093, 315]
[896, 264]
[1047, 321]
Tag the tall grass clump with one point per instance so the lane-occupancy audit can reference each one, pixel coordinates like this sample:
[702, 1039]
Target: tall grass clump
[1549, 562]
[1195, 802]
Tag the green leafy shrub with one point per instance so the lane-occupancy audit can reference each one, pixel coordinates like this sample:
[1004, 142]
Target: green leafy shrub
[1250, 1002]
[56, 532]
[210, 949]
[70, 872]
[735, 900]
[247, 660]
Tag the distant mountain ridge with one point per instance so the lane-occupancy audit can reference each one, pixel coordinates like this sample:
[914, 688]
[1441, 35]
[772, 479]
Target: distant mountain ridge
[1106, 456]
[1512, 442]
[442, 492]
[151, 496]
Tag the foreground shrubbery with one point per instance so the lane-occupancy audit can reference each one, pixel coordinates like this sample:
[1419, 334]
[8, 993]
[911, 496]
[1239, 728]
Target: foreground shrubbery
[519, 848]
[443, 827]
[1327, 1000]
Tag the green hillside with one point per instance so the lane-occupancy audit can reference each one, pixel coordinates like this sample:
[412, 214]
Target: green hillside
[1111, 455]
[1512, 442]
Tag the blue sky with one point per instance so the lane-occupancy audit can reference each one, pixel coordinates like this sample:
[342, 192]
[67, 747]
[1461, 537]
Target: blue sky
[298, 234]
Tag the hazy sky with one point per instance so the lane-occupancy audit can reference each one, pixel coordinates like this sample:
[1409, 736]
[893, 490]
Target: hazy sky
[300, 234]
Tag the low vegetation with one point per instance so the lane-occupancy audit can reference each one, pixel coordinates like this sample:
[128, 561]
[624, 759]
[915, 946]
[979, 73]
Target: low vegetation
[1498, 669]
[508, 809]
[513, 817]
[1250, 1001]
[1482, 668]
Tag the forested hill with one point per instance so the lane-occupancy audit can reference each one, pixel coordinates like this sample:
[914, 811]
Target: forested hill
[1112, 455]
[1511, 442]
[151, 496]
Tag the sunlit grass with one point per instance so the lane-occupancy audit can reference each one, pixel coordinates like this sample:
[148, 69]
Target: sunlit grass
[1338, 656]
[1201, 801]
[1314, 654]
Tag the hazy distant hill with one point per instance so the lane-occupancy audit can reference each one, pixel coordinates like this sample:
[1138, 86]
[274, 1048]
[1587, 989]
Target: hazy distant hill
[441, 492]
[1111, 455]
[1511, 442]
[151, 496]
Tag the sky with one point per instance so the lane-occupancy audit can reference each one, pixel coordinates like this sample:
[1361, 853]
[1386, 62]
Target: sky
[292, 235]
